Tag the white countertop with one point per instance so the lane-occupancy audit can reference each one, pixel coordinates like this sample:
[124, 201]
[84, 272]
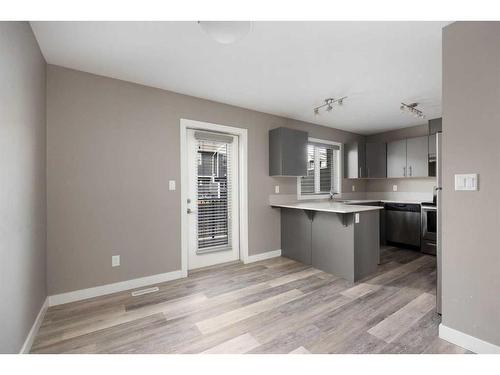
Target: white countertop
[328, 206]
[357, 201]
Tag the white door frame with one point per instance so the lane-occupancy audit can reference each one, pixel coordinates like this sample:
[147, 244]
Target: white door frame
[243, 188]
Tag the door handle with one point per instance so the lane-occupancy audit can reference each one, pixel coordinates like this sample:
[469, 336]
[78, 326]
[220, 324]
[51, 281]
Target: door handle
[190, 211]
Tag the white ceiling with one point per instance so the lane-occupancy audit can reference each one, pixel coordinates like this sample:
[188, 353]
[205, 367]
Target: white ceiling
[283, 68]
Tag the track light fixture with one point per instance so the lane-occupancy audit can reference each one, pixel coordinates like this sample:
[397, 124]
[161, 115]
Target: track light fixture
[412, 109]
[329, 102]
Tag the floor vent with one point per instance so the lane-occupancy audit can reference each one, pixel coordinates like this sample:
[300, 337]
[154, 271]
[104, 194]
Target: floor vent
[145, 291]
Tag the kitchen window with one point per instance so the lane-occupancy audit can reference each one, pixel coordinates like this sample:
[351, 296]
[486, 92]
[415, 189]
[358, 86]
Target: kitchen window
[323, 170]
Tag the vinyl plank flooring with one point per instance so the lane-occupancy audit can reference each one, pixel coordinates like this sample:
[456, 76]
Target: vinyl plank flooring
[272, 306]
[239, 345]
[300, 350]
[286, 342]
[393, 326]
[223, 320]
[360, 290]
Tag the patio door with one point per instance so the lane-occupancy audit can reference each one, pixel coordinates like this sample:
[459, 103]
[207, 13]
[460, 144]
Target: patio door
[212, 203]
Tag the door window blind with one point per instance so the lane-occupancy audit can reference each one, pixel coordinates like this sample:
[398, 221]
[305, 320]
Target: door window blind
[322, 169]
[213, 192]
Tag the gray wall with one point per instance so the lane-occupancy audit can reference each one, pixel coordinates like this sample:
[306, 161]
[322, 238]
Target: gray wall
[471, 138]
[394, 135]
[22, 183]
[415, 185]
[112, 147]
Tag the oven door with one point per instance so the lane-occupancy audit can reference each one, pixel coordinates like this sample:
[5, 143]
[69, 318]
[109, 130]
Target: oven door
[429, 224]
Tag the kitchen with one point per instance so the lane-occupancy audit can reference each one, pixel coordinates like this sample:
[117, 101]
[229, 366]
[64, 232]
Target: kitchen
[283, 200]
[393, 202]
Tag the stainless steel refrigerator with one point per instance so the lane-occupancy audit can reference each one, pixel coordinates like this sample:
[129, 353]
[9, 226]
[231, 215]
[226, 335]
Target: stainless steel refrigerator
[439, 204]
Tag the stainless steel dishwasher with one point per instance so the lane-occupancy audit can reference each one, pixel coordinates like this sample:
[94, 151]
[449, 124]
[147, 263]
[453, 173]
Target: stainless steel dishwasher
[402, 224]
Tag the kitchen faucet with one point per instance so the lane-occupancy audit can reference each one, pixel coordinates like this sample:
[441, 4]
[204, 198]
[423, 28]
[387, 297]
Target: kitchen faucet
[332, 194]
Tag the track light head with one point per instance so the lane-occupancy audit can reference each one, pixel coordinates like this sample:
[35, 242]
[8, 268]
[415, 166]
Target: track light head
[412, 110]
[329, 102]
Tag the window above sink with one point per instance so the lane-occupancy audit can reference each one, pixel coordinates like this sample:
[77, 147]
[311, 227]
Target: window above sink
[323, 170]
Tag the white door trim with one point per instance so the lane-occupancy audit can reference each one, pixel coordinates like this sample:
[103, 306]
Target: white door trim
[243, 185]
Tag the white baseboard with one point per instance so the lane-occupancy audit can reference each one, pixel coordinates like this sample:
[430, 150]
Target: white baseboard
[467, 341]
[262, 256]
[34, 328]
[78, 295]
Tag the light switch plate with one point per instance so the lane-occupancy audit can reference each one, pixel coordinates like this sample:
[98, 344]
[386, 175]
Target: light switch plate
[171, 185]
[115, 261]
[356, 218]
[394, 187]
[466, 182]
[277, 189]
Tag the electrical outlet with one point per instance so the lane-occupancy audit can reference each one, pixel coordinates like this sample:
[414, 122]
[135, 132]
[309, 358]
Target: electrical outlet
[277, 189]
[394, 187]
[353, 187]
[115, 261]
[171, 185]
[356, 218]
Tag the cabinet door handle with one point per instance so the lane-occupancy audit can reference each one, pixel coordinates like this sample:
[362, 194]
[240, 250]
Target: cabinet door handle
[410, 171]
[404, 171]
[360, 175]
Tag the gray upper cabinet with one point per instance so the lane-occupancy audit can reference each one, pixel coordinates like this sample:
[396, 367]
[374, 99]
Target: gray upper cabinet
[435, 125]
[396, 159]
[354, 160]
[376, 160]
[432, 145]
[287, 152]
[408, 157]
[417, 157]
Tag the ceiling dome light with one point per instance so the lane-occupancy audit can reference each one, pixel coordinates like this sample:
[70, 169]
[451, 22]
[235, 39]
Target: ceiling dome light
[226, 32]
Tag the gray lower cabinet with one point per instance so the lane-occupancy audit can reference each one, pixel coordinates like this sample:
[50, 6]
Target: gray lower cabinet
[376, 160]
[332, 242]
[296, 235]
[381, 219]
[396, 159]
[332, 245]
[417, 156]
[344, 248]
[287, 152]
